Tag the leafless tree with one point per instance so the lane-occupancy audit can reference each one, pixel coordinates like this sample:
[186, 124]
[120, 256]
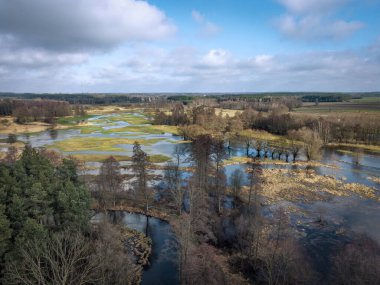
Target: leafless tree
[63, 258]
[357, 264]
[236, 182]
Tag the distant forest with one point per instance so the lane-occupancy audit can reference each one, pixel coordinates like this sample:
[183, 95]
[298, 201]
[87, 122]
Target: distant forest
[127, 98]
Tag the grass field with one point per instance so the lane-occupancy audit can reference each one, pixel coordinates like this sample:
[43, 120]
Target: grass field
[98, 144]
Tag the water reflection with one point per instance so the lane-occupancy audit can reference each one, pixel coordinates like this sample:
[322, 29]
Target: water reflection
[162, 268]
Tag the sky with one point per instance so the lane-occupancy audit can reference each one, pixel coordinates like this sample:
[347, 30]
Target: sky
[108, 46]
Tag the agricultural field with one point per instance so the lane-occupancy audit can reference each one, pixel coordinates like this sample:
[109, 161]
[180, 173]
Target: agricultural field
[364, 105]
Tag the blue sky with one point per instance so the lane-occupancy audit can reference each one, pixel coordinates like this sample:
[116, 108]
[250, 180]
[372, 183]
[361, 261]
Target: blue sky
[189, 45]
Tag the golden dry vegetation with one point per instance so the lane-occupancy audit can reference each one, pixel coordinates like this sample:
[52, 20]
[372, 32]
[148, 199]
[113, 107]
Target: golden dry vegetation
[305, 186]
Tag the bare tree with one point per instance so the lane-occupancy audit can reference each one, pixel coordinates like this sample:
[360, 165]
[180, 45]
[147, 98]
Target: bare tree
[357, 263]
[63, 258]
[236, 182]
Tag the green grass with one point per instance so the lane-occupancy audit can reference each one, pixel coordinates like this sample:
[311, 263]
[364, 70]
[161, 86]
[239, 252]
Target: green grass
[98, 144]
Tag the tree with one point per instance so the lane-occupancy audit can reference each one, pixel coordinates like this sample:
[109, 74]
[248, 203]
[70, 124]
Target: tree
[312, 143]
[140, 167]
[201, 156]
[236, 182]
[6, 232]
[357, 263]
[294, 147]
[62, 258]
[110, 179]
[234, 126]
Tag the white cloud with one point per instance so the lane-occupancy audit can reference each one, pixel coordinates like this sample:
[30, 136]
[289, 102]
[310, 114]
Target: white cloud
[207, 28]
[82, 24]
[216, 57]
[311, 6]
[313, 20]
[37, 58]
[316, 28]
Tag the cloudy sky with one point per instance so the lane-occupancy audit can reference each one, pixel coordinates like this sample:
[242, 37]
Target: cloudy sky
[189, 45]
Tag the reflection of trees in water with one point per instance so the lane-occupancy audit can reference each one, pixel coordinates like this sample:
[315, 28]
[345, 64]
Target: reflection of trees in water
[53, 133]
